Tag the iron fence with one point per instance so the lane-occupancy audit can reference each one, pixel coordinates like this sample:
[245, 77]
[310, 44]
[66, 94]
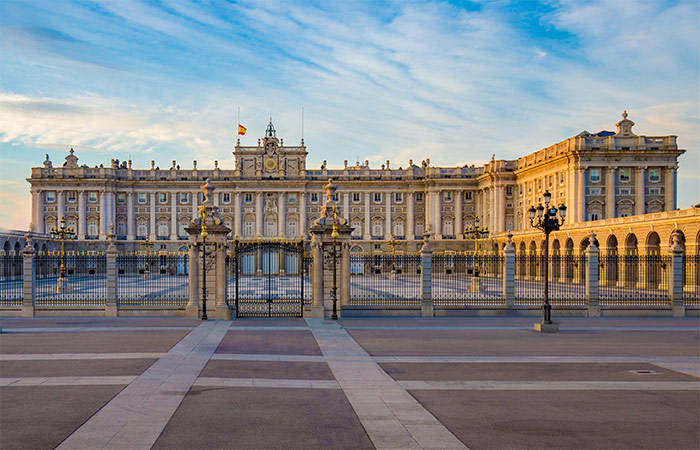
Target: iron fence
[385, 279]
[84, 281]
[11, 282]
[567, 276]
[691, 280]
[308, 272]
[634, 280]
[153, 279]
[461, 279]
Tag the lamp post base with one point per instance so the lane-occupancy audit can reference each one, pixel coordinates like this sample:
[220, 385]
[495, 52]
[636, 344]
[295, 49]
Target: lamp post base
[62, 285]
[546, 327]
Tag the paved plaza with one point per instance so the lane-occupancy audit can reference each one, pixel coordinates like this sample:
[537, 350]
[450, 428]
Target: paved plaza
[478, 383]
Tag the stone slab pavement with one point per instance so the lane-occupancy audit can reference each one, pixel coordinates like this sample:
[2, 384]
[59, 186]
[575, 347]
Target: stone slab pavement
[356, 383]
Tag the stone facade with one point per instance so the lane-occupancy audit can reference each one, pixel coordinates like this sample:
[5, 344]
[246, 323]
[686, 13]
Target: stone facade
[271, 193]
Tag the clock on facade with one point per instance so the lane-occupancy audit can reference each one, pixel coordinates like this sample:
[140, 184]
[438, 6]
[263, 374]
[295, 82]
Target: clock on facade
[270, 164]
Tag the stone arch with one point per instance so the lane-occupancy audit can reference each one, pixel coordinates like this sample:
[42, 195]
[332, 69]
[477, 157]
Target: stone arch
[521, 259]
[653, 243]
[556, 259]
[6, 247]
[610, 262]
[532, 260]
[36, 246]
[18, 247]
[568, 260]
[631, 260]
[569, 246]
[631, 244]
[43, 247]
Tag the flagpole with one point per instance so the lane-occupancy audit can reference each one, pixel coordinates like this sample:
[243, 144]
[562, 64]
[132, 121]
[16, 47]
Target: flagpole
[302, 124]
[238, 126]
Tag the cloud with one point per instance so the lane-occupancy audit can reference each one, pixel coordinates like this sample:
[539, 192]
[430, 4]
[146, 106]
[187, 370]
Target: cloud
[398, 81]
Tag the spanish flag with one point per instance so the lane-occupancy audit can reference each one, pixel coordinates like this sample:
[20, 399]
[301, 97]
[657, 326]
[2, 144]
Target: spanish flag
[241, 130]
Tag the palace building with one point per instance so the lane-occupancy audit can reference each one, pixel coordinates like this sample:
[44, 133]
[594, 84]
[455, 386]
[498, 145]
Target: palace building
[272, 193]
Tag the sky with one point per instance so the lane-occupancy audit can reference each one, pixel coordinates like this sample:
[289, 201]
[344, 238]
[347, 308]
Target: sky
[455, 81]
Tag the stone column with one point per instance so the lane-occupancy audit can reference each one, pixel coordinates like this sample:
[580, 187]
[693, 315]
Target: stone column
[410, 225]
[675, 285]
[35, 210]
[194, 204]
[60, 205]
[103, 217]
[192, 308]
[500, 209]
[387, 227]
[437, 214]
[639, 194]
[130, 228]
[345, 271]
[28, 278]
[238, 215]
[509, 272]
[368, 218]
[303, 227]
[610, 193]
[281, 215]
[222, 309]
[670, 189]
[111, 306]
[259, 214]
[581, 195]
[459, 228]
[173, 216]
[152, 227]
[426, 278]
[317, 287]
[82, 216]
[592, 275]
[346, 205]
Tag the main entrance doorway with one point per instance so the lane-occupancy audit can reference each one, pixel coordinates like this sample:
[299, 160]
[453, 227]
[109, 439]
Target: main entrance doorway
[268, 279]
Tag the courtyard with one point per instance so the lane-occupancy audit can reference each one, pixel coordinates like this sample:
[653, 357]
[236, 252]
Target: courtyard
[479, 383]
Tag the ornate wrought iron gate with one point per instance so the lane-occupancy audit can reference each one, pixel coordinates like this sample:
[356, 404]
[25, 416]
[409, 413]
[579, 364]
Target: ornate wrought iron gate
[269, 279]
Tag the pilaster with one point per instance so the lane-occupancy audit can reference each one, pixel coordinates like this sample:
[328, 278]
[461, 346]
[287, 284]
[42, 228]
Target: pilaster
[29, 278]
[509, 272]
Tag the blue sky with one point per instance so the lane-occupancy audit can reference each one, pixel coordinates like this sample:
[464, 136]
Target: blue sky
[452, 81]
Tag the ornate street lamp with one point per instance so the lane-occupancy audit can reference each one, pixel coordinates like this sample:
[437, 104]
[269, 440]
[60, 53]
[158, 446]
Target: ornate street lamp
[62, 234]
[392, 243]
[334, 290]
[476, 232]
[146, 244]
[544, 217]
[204, 235]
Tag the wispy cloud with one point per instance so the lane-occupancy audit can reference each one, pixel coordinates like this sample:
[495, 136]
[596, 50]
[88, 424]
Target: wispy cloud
[397, 81]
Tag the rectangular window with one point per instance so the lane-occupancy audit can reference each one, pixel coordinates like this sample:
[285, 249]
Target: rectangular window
[398, 197]
[561, 178]
[653, 174]
[335, 196]
[509, 191]
[419, 196]
[292, 197]
[654, 191]
[142, 197]
[595, 191]
[50, 196]
[184, 198]
[162, 197]
[356, 197]
[226, 197]
[549, 181]
[539, 184]
[314, 197]
[623, 191]
[291, 229]
[248, 197]
[121, 197]
[593, 216]
[92, 196]
[377, 197]
[529, 187]
[468, 196]
[247, 228]
[624, 174]
[594, 174]
[447, 195]
[71, 196]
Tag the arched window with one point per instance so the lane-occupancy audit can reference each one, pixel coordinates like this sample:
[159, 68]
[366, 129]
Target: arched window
[357, 228]
[399, 229]
[142, 229]
[121, 229]
[92, 228]
[162, 228]
[292, 229]
[377, 228]
[248, 228]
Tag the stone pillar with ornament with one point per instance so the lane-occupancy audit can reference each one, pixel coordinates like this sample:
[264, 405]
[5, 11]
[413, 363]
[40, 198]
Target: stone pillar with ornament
[322, 244]
[207, 236]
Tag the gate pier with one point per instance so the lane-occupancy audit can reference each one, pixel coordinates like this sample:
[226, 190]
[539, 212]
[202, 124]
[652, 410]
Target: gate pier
[322, 250]
[207, 254]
